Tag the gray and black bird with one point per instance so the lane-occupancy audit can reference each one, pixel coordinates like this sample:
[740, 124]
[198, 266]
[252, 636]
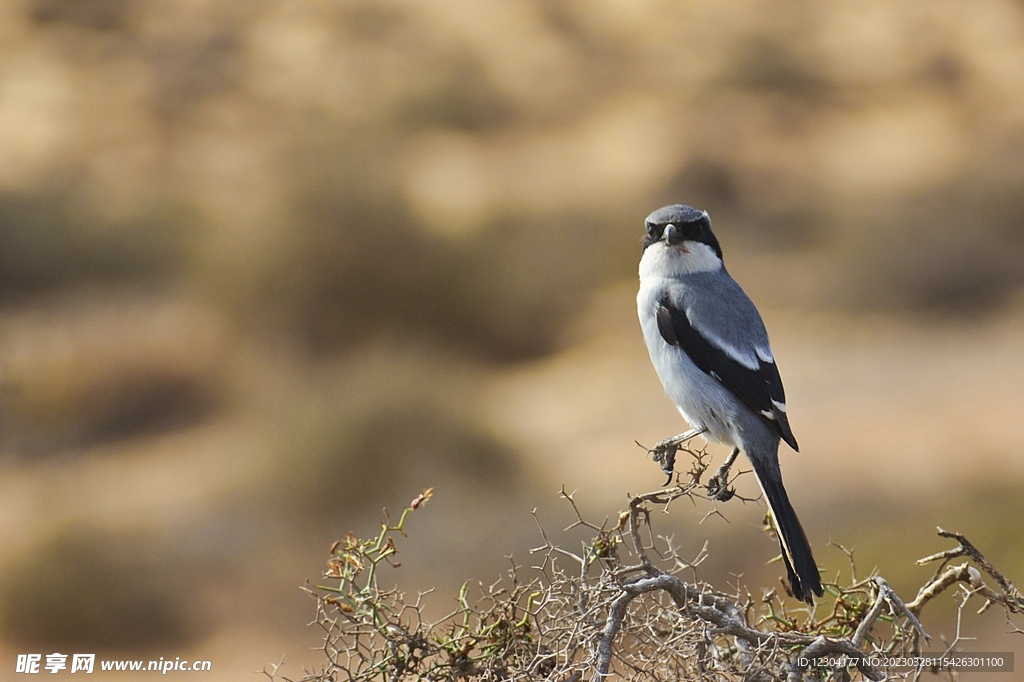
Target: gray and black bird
[710, 348]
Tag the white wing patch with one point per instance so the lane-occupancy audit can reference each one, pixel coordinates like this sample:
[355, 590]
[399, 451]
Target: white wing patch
[781, 407]
[748, 359]
[768, 414]
[764, 353]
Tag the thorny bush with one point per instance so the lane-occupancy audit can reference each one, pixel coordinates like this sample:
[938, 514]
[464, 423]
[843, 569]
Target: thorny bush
[611, 611]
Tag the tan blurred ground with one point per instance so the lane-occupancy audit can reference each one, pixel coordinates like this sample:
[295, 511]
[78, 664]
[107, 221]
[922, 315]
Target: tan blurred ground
[267, 267]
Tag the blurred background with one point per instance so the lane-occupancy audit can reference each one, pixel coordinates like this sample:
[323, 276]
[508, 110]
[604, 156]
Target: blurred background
[268, 267]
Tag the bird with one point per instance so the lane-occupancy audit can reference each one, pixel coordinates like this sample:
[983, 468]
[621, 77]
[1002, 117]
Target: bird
[710, 349]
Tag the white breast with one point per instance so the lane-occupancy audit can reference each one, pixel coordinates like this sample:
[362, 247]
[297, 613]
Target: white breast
[702, 400]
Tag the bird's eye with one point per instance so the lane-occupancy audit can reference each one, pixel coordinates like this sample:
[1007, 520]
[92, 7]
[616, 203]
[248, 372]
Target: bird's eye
[650, 229]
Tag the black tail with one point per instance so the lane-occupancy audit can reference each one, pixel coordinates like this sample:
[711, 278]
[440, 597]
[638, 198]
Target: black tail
[796, 551]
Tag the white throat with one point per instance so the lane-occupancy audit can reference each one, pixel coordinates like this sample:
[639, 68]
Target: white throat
[667, 260]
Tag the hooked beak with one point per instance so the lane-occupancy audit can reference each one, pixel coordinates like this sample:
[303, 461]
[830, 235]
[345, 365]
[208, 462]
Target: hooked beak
[671, 234]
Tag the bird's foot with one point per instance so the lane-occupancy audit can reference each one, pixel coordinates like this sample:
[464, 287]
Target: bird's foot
[718, 484]
[664, 452]
[719, 488]
[666, 457]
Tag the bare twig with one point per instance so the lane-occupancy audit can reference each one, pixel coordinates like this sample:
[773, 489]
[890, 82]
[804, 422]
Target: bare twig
[1010, 597]
[619, 608]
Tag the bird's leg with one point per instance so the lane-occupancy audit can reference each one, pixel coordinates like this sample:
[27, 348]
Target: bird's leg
[665, 452]
[718, 484]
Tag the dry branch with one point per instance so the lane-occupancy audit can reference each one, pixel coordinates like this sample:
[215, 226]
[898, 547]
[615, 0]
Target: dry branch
[619, 609]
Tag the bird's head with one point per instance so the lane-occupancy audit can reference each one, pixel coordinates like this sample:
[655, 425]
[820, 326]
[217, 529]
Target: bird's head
[682, 234]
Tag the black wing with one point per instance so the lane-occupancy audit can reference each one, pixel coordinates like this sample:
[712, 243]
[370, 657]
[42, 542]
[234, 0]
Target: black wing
[760, 388]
